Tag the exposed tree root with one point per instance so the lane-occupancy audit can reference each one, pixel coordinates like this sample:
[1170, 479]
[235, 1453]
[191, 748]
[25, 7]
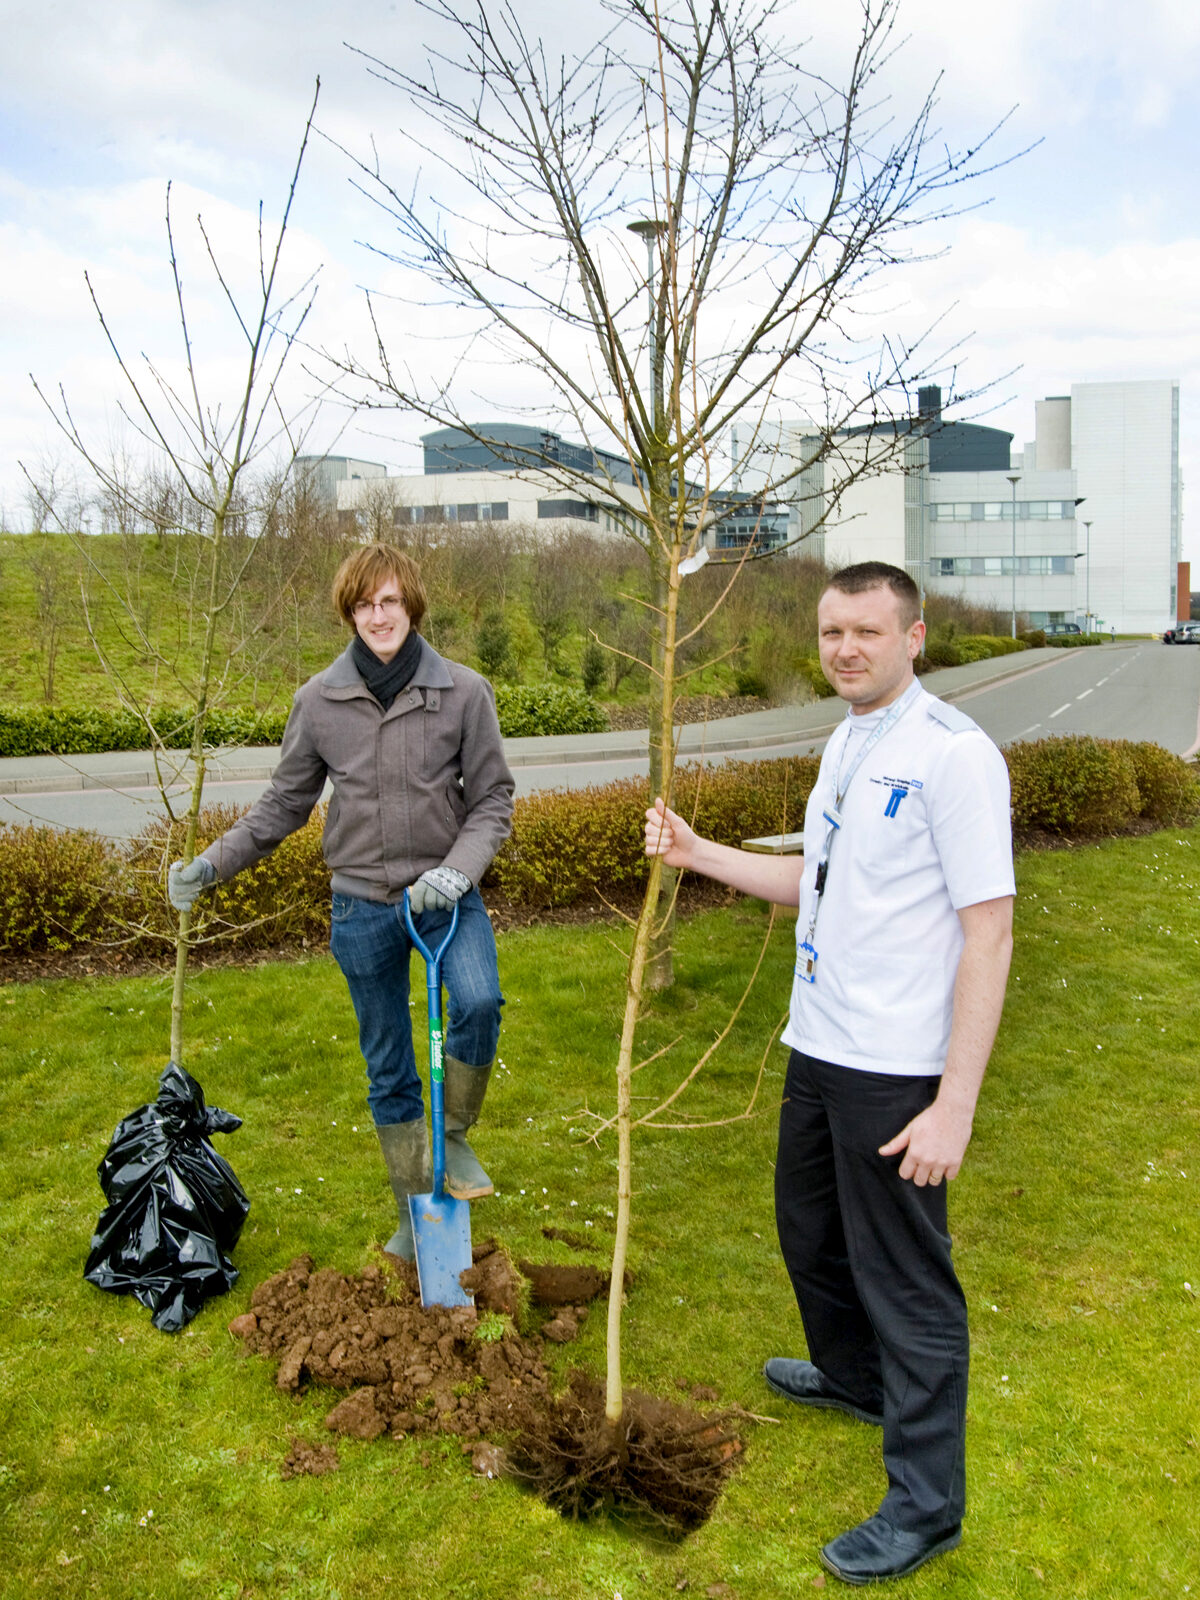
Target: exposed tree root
[663, 1460]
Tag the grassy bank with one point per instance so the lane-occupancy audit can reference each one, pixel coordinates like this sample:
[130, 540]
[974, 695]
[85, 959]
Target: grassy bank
[503, 598]
[1075, 1220]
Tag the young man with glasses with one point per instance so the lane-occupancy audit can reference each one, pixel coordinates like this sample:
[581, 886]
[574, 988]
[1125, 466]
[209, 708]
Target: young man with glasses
[422, 799]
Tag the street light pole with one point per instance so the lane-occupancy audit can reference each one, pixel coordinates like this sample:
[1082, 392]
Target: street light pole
[1087, 579]
[649, 231]
[663, 539]
[1014, 479]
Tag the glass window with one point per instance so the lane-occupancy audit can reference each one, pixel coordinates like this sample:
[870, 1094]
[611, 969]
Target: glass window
[996, 511]
[1061, 564]
[992, 566]
[581, 509]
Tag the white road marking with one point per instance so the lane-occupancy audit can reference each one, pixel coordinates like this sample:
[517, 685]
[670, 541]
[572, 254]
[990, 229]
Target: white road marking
[1059, 712]
[1084, 695]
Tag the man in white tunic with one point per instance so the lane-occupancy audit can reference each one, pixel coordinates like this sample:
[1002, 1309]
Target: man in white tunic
[904, 938]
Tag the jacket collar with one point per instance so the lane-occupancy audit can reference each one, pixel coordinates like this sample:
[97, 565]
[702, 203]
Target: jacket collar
[432, 673]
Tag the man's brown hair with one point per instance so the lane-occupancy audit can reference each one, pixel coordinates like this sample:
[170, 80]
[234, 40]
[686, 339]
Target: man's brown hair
[369, 569]
[866, 575]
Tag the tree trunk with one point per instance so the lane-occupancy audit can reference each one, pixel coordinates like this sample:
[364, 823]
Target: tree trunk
[636, 983]
[660, 966]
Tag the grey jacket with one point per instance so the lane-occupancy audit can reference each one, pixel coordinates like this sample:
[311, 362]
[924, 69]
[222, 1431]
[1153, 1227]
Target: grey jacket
[423, 783]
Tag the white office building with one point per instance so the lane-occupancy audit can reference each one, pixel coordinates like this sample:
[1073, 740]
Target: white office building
[1124, 451]
[1083, 523]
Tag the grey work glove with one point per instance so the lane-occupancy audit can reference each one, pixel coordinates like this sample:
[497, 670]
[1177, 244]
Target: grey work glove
[438, 889]
[185, 885]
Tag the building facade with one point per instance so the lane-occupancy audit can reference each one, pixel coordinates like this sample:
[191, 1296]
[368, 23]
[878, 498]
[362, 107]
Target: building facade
[326, 473]
[512, 472]
[1081, 526]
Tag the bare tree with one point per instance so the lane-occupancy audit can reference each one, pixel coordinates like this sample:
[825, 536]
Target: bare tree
[375, 514]
[766, 199]
[202, 447]
[54, 496]
[555, 591]
[51, 597]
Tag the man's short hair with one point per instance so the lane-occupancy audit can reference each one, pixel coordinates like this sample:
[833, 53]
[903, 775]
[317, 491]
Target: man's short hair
[866, 575]
[362, 573]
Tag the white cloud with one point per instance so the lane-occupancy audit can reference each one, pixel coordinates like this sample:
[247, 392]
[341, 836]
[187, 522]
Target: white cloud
[1084, 266]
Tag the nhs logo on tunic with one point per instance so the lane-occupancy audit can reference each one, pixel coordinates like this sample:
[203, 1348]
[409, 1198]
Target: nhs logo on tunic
[898, 789]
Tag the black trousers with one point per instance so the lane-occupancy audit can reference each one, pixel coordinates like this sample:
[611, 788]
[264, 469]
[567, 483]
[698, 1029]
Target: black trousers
[868, 1254]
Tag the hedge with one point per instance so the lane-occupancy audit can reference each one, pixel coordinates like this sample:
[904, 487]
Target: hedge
[547, 708]
[569, 844]
[1074, 641]
[57, 890]
[50, 731]
[61, 891]
[946, 648]
[47, 730]
[1085, 787]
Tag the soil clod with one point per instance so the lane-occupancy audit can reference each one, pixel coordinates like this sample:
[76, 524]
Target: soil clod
[564, 1286]
[311, 1460]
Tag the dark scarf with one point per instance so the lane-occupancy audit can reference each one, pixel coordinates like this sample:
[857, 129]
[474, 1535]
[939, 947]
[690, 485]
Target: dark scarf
[385, 679]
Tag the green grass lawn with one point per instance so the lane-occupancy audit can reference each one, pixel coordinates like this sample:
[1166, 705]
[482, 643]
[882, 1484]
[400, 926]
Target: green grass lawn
[136, 1463]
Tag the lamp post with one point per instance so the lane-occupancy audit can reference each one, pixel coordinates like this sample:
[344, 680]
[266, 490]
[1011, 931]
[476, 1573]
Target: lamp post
[1087, 579]
[662, 543]
[649, 231]
[1014, 479]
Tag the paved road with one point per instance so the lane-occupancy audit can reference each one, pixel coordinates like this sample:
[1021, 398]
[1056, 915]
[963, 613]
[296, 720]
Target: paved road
[1128, 691]
[1123, 691]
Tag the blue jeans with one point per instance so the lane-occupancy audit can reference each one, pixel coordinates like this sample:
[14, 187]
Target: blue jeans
[371, 945]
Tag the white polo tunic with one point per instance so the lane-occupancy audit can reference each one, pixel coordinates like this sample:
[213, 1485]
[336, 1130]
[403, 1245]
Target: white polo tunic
[926, 830]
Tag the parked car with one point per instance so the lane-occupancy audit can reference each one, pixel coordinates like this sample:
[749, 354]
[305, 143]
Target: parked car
[1183, 633]
[1062, 627]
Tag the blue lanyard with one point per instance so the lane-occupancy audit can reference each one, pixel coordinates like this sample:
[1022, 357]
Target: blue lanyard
[841, 787]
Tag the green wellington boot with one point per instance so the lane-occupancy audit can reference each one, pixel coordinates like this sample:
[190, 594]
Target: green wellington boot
[465, 1088]
[405, 1147]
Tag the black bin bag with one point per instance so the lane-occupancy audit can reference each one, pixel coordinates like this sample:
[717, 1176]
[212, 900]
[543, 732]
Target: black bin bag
[175, 1208]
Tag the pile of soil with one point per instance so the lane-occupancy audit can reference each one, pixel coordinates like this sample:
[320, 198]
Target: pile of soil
[410, 1369]
[470, 1371]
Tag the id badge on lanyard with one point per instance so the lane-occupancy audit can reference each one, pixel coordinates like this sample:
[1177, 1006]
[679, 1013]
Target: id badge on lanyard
[806, 951]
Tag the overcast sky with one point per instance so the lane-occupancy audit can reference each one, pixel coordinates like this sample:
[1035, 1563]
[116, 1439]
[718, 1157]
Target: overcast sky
[1084, 266]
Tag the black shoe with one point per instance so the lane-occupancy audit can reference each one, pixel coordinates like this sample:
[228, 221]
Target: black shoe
[808, 1386]
[875, 1551]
